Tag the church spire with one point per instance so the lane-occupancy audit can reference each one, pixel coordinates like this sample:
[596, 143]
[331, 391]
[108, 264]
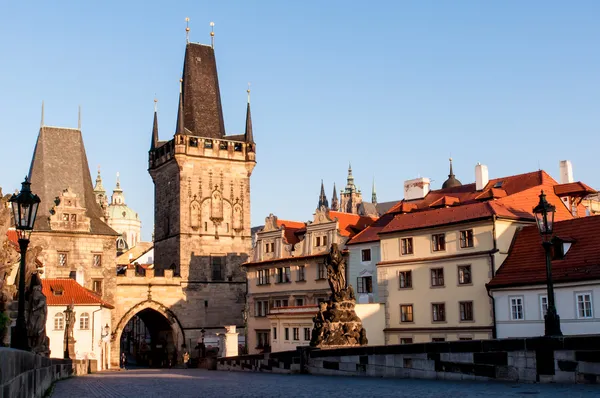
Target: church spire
[248, 137]
[99, 188]
[374, 194]
[350, 187]
[451, 182]
[154, 143]
[322, 198]
[334, 200]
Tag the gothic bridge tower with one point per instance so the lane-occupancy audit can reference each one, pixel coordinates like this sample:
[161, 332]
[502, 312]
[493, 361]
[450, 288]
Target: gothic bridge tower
[202, 199]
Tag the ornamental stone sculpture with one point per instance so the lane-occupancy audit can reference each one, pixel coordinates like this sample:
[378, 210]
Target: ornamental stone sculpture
[336, 324]
[37, 312]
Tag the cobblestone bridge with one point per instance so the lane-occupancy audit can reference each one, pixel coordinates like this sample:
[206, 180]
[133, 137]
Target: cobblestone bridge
[202, 383]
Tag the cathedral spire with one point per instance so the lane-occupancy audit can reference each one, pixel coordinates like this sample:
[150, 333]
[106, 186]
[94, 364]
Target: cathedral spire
[154, 142]
[334, 200]
[322, 198]
[374, 194]
[248, 137]
[350, 187]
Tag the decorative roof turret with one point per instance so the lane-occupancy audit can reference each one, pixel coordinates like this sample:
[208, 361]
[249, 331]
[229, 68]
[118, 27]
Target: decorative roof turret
[451, 182]
[154, 143]
[248, 137]
[350, 187]
[374, 194]
[180, 126]
[334, 200]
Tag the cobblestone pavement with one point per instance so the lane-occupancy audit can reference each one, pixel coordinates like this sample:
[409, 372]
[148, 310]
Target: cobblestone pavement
[203, 383]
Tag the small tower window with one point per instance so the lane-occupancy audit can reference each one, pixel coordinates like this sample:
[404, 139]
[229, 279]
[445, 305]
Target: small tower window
[223, 145]
[208, 144]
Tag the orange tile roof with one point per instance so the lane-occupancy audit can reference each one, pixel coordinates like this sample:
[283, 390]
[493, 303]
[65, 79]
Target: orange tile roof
[292, 230]
[573, 189]
[351, 224]
[510, 197]
[526, 262]
[72, 292]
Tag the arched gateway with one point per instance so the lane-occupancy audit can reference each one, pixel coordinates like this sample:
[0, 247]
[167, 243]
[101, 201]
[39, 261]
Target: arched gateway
[148, 319]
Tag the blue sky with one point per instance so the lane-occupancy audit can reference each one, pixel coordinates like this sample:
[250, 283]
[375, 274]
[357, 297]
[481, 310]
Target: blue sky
[394, 87]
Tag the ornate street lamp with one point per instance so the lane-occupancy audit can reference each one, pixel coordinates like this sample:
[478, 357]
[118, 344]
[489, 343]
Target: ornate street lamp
[544, 216]
[24, 206]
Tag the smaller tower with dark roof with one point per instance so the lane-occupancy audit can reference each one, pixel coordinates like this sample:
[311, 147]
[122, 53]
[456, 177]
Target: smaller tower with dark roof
[154, 143]
[374, 194]
[451, 182]
[334, 200]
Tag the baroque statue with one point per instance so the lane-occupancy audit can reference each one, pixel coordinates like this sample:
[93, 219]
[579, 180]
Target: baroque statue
[336, 323]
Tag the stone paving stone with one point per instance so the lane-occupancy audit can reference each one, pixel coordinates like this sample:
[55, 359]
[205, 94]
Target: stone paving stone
[184, 383]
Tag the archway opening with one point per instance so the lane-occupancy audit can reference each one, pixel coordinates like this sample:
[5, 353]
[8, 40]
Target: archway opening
[148, 341]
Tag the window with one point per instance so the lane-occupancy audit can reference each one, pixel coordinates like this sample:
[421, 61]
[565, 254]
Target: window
[365, 284]
[438, 339]
[464, 274]
[261, 308]
[318, 241]
[97, 260]
[516, 308]
[296, 332]
[406, 340]
[73, 217]
[466, 310]
[324, 240]
[208, 144]
[97, 286]
[217, 263]
[543, 306]
[438, 312]
[262, 339]
[59, 321]
[269, 247]
[301, 273]
[205, 226]
[299, 302]
[407, 246]
[287, 333]
[437, 277]
[405, 278]
[194, 142]
[62, 259]
[274, 332]
[439, 242]
[321, 271]
[465, 338]
[584, 305]
[65, 217]
[262, 277]
[84, 321]
[284, 275]
[366, 255]
[223, 145]
[406, 313]
[466, 238]
[306, 334]
[281, 303]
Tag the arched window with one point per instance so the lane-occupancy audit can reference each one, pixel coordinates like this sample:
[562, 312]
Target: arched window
[84, 321]
[59, 321]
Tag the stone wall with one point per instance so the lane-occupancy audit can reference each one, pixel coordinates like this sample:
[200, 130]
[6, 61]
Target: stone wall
[540, 359]
[23, 374]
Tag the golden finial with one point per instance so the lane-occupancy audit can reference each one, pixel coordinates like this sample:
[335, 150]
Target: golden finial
[180, 86]
[212, 34]
[248, 91]
[187, 29]
[155, 104]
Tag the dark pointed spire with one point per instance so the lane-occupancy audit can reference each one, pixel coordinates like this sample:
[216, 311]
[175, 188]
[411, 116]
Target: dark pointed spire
[248, 137]
[322, 198]
[374, 194]
[350, 187]
[154, 143]
[180, 128]
[334, 200]
[451, 181]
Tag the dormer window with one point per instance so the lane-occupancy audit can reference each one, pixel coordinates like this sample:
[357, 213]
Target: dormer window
[498, 184]
[560, 248]
[57, 292]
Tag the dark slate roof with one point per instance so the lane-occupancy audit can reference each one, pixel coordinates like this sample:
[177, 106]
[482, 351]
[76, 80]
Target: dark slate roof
[203, 115]
[59, 162]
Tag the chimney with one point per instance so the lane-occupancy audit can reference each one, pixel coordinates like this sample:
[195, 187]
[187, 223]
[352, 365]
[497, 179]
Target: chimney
[566, 171]
[416, 189]
[482, 176]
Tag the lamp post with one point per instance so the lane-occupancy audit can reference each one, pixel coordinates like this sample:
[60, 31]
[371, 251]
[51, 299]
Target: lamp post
[544, 216]
[24, 207]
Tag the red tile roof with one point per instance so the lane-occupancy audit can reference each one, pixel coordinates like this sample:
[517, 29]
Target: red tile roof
[526, 262]
[72, 292]
[292, 230]
[510, 197]
[573, 189]
[351, 224]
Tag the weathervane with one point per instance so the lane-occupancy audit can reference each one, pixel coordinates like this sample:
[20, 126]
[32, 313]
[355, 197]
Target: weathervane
[187, 29]
[212, 34]
[248, 91]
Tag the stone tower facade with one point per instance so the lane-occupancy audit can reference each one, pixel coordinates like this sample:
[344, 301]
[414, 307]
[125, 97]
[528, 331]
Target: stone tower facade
[202, 198]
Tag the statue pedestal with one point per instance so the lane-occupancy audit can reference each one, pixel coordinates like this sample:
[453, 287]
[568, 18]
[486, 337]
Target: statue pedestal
[229, 342]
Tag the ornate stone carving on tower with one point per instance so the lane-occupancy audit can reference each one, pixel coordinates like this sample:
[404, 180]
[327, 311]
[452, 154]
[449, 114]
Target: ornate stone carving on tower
[202, 197]
[336, 324]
